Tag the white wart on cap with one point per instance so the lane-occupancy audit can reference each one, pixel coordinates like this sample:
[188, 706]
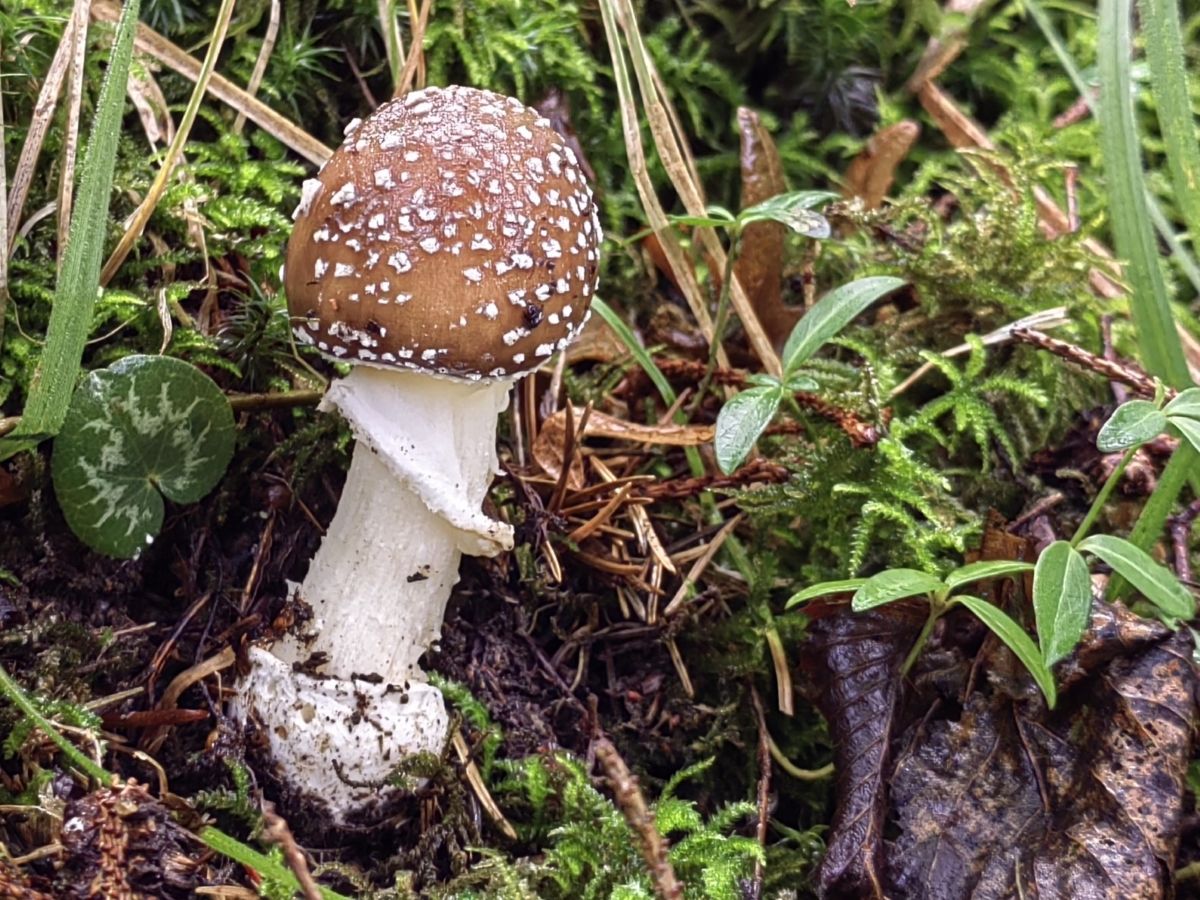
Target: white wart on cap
[453, 231]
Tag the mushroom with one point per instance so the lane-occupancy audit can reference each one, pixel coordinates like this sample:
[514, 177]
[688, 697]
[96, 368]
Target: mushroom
[449, 246]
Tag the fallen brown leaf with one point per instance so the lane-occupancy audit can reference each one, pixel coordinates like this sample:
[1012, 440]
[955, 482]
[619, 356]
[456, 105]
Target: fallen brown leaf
[759, 267]
[548, 447]
[871, 173]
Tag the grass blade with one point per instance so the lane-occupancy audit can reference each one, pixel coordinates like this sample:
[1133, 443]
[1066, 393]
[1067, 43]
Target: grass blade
[75, 294]
[1164, 52]
[1134, 238]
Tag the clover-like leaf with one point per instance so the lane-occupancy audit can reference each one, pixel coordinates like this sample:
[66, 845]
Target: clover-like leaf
[831, 314]
[1062, 600]
[1156, 582]
[740, 423]
[1131, 424]
[145, 426]
[894, 584]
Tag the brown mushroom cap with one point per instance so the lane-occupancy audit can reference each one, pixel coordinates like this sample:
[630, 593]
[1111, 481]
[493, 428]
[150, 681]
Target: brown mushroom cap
[453, 231]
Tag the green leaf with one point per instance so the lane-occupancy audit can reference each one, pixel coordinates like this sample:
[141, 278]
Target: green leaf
[78, 283]
[1062, 600]
[741, 422]
[636, 350]
[700, 221]
[145, 425]
[1131, 424]
[1128, 211]
[1186, 403]
[1016, 640]
[984, 569]
[894, 584]
[1156, 582]
[824, 589]
[802, 384]
[831, 314]
[1163, 45]
[794, 210]
[1189, 428]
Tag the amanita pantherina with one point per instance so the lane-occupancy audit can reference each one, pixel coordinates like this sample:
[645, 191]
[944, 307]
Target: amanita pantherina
[449, 246]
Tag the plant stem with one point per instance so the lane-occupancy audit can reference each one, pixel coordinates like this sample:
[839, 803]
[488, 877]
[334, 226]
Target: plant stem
[261, 863]
[1101, 498]
[21, 701]
[723, 301]
[795, 771]
[1183, 465]
[936, 608]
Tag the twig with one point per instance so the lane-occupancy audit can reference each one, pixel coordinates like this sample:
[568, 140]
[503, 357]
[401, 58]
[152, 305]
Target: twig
[260, 64]
[277, 400]
[238, 402]
[277, 832]
[1045, 318]
[1180, 529]
[641, 820]
[141, 216]
[764, 791]
[1114, 371]
[757, 471]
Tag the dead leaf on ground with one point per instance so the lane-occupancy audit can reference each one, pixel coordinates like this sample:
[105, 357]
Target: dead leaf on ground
[870, 174]
[991, 795]
[759, 267]
[548, 447]
[851, 667]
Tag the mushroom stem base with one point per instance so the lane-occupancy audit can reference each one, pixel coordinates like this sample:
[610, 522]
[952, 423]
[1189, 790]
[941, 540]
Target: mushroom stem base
[339, 740]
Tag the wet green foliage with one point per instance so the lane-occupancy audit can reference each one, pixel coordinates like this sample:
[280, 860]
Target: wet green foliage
[590, 850]
[917, 497]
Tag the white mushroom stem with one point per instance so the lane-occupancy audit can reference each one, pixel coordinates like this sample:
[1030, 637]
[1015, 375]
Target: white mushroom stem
[379, 584]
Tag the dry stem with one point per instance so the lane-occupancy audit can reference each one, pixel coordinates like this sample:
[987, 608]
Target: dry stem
[641, 820]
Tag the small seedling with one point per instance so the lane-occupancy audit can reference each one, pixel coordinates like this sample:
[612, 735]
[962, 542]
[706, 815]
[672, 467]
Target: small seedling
[743, 419]
[898, 584]
[1062, 584]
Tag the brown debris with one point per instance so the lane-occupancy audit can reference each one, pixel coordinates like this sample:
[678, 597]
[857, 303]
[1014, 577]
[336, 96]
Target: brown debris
[870, 175]
[852, 663]
[120, 843]
[993, 794]
[759, 266]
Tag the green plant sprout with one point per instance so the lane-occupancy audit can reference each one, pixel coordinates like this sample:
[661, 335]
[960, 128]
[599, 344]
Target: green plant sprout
[1062, 585]
[744, 418]
[891, 585]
